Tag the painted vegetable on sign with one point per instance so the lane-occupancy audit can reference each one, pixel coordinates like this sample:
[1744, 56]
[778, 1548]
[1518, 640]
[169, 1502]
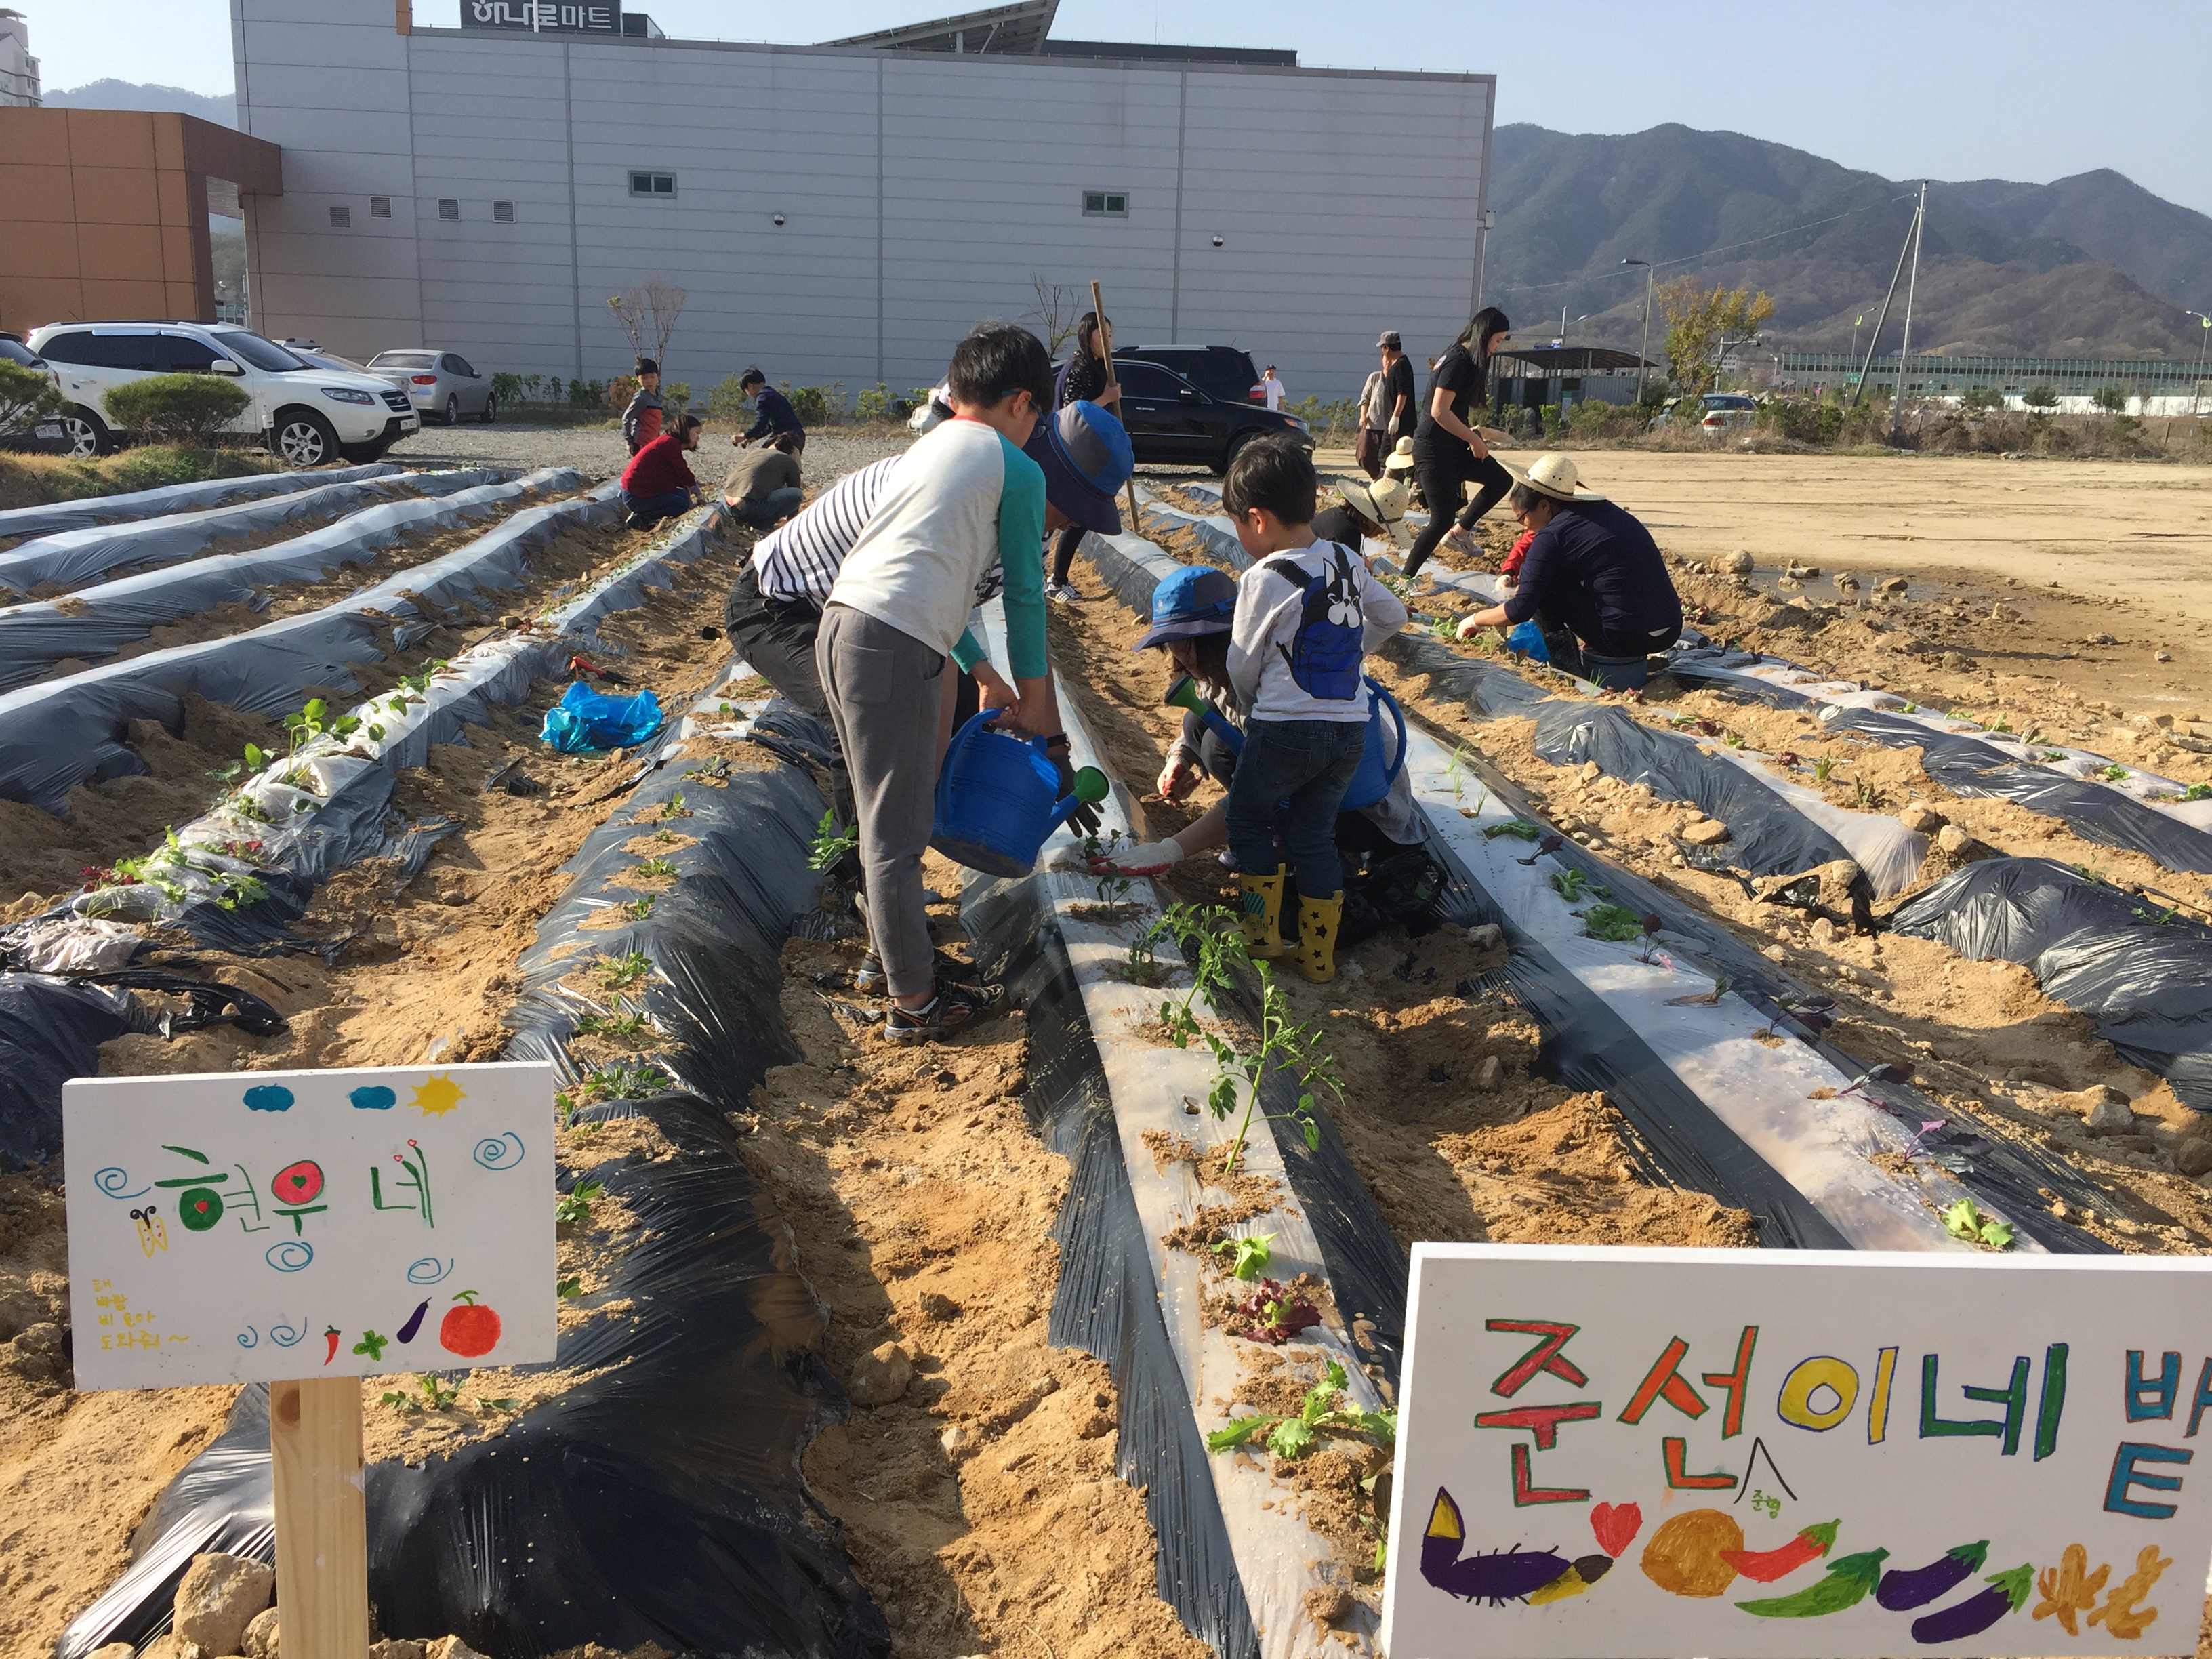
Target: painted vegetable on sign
[1765, 1566]
[1688, 1555]
[1976, 1614]
[1496, 1577]
[1917, 1589]
[1846, 1584]
[469, 1328]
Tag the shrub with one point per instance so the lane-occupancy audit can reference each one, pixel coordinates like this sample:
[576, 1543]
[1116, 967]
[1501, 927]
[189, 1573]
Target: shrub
[2040, 397]
[621, 389]
[1983, 400]
[2112, 399]
[817, 405]
[726, 404]
[676, 394]
[1801, 420]
[587, 394]
[508, 388]
[872, 403]
[188, 410]
[27, 397]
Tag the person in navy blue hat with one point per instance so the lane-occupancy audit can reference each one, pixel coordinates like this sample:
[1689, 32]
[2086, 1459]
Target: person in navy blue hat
[1087, 458]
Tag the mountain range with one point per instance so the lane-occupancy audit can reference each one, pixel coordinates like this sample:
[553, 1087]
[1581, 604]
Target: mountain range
[2088, 266]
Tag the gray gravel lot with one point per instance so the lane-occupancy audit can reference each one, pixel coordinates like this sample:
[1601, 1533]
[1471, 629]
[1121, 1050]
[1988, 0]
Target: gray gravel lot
[598, 450]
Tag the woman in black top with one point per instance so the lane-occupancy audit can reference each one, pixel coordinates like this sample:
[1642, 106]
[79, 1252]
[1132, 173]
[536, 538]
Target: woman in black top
[1448, 451]
[1083, 379]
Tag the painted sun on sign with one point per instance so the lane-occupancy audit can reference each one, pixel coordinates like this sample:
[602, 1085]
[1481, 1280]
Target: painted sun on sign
[436, 1095]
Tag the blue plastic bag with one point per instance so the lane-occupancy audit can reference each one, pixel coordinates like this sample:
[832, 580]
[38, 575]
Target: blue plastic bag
[584, 719]
[1529, 640]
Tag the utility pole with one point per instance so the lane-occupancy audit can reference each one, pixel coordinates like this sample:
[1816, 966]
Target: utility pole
[1643, 351]
[2196, 392]
[1904, 344]
[1483, 226]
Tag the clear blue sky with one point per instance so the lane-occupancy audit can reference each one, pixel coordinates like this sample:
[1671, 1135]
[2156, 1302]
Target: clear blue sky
[2029, 89]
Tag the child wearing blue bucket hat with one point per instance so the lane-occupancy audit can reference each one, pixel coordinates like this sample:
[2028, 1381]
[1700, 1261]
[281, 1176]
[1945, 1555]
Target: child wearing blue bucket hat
[1380, 833]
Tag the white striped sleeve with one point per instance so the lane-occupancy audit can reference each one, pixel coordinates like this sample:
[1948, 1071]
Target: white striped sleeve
[800, 559]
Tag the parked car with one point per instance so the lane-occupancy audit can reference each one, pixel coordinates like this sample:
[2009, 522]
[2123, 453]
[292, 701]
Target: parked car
[1727, 409]
[308, 415]
[1222, 372]
[315, 357]
[1174, 419]
[46, 434]
[443, 385]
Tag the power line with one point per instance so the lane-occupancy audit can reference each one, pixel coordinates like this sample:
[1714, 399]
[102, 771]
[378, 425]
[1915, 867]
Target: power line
[1692, 259]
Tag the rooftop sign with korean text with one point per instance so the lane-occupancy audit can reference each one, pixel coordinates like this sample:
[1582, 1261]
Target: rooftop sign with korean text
[543, 17]
[262, 1226]
[1604, 1453]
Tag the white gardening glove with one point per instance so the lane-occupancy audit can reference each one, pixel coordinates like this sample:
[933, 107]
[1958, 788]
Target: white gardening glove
[1148, 860]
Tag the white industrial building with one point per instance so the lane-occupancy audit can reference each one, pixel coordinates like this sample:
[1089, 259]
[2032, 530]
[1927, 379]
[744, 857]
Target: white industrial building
[844, 211]
[19, 70]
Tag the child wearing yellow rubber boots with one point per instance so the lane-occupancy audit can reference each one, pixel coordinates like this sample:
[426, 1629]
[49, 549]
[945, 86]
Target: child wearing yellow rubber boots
[1307, 615]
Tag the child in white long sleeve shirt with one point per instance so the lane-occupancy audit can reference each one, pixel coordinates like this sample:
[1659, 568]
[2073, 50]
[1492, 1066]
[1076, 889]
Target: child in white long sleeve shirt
[1307, 615]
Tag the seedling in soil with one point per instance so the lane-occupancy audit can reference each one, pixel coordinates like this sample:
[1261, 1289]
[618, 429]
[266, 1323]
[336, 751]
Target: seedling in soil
[2052, 756]
[1573, 884]
[716, 770]
[225, 774]
[2197, 792]
[2115, 774]
[1220, 946]
[1702, 999]
[832, 841]
[569, 1289]
[1650, 928]
[1735, 740]
[1249, 1256]
[1274, 1315]
[666, 837]
[1549, 844]
[615, 972]
[1963, 1220]
[639, 909]
[625, 1080]
[1519, 829]
[1285, 1045]
[574, 1207]
[656, 866]
[437, 1396]
[630, 1022]
[673, 807]
[1293, 1436]
[1455, 769]
[1616, 923]
[1143, 966]
[1866, 797]
[1821, 768]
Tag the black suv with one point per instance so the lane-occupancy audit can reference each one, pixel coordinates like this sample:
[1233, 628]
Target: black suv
[1190, 405]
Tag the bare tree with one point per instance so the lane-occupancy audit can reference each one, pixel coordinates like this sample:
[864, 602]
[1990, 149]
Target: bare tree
[647, 311]
[1058, 307]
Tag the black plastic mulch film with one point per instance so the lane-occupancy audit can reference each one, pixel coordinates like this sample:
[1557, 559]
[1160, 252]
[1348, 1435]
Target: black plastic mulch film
[2144, 974]
[661, 1501]
[1587, 1046]
[94, 623]
[54, 517]
[1966, 766]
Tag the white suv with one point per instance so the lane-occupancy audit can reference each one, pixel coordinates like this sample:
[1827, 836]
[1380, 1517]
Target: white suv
[308, 416]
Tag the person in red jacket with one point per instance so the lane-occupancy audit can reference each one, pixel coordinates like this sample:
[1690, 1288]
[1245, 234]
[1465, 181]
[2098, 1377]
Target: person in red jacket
[658, 483]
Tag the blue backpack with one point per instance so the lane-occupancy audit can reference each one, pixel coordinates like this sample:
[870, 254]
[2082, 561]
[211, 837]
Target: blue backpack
[1324, 658]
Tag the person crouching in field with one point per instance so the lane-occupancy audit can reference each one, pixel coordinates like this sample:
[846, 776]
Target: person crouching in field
[658, 483]
[1307, 614]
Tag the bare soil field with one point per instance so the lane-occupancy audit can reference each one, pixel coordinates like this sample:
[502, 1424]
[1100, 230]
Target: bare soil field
[980, 1500]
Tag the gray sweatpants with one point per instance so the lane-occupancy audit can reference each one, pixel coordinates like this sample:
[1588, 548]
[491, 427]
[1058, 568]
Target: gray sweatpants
[884, 688]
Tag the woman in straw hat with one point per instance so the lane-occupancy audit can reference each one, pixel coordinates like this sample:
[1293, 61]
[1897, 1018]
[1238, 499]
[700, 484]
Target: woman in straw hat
[1370, 511]
[1450, 453]
[1593, 579]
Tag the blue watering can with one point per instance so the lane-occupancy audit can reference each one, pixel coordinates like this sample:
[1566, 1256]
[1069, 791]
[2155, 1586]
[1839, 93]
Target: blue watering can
[998, 798]
[1370, 784]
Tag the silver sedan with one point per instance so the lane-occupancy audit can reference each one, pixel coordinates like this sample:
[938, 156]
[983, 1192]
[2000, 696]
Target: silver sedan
[443, 385]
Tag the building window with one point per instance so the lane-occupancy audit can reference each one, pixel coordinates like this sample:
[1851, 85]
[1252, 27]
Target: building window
[653, 184]
[379, 207]
[502, 213]
[448, 208]
[1105, 205]
[341, 218]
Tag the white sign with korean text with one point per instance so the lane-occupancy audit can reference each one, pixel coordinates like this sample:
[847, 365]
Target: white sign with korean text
[259, 1226]
[1605, 1453]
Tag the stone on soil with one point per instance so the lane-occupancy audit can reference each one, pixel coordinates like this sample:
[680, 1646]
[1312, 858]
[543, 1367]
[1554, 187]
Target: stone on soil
[1738, 563]
[2193, 1157]
[1487, 1074]
[1922, 820]
[882, 1377]
[261, 1636]
[2110, 1117]
[217, 1599]
[1705, 832]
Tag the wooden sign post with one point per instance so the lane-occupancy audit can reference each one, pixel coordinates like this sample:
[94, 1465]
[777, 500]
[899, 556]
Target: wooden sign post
[307, 1230]
[1785, 1454]
[1098, 310]
[322, 1520]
